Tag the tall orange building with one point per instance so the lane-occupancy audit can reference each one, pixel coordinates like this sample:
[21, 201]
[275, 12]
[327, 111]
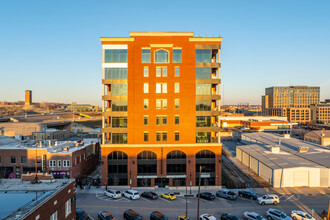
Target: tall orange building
[161, 103]
[28, 97]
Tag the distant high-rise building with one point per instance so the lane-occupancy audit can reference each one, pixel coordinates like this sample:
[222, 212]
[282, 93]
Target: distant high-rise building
[28, 97]
[290, 101]
[161, 108]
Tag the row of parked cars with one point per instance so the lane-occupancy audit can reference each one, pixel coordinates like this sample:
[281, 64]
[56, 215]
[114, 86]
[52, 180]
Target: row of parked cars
[271, 214]
[227, 194]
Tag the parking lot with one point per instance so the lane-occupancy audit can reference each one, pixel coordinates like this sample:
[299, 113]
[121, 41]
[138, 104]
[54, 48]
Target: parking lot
[93, 203]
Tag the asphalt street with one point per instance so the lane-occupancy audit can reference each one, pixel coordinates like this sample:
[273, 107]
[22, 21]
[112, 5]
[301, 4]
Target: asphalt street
[94, 203]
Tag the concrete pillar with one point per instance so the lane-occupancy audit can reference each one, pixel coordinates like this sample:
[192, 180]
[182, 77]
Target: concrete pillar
[218, 166]
[191, 169]
[132, 171]
[104, 170]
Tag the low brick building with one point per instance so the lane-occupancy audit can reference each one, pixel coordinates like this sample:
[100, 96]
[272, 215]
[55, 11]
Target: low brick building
[47, 200]
[66, 159]
[318, 137]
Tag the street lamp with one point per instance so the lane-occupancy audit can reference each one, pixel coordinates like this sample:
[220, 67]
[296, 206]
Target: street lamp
[190, 183]
[199, 190]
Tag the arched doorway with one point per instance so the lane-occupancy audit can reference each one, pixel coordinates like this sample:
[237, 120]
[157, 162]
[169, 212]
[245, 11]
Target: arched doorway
[146, 167]
[117, 168]
[206, 159]
[176, 167]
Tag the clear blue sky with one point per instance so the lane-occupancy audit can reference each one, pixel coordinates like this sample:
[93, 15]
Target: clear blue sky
[53, 47]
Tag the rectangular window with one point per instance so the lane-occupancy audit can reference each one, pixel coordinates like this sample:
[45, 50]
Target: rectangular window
[158, 136]
[119, 105]
[59, 163]
[146, 88]
[203, 73]
[119, 89]
[38, 159]
[52, 163]
[176, 120]
[161, 56]
[158, 71]
[177, 136]
[115, 73]
[67, 207]
[176, 87]
[53, 216]
[164, 69]
[158, 118]
[119, 122]
[203, 121]
[146, 56]
[146, 71]
[146, 120]
[12, 159]
[164, 102]
[164, 120]
[177, 56]
[164, 136]
[23, 159]
[203, 56]
[203, 137]
[146, 136]
[115, 56]
[203, 89]
[158, 87]
[177, 71]
[146, 103]
[66, 163]
[119, 138]
[203, 105]
[158, 103]
[164, 87]
[176, 103]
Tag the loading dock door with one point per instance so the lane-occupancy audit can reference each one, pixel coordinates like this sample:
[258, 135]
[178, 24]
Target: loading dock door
[300, 178]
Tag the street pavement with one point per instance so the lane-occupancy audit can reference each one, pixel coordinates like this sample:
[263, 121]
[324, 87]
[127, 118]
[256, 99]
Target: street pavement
[308, 200]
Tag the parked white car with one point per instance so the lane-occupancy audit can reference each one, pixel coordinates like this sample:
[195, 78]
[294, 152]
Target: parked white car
[131, 194]
[207, 217]
[252, 216]
[268, 199]
[300, 215]
[274, 214]
[113, 193]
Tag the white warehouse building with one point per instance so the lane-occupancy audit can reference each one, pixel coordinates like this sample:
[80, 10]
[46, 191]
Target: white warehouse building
[284, 161]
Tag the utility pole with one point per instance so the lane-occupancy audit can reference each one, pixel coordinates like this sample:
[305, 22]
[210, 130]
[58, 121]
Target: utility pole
[199, 190]
[186, 199]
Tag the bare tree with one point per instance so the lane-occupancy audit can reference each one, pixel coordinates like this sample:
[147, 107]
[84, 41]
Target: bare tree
[115, 180]
[144, 182]
[176, 182]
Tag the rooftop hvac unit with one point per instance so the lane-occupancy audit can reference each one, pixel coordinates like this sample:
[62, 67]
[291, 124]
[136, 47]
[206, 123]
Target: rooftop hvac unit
[303, 149]
[275, 149]
[286, 135]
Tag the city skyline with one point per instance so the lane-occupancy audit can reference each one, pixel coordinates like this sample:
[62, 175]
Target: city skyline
[53, 49]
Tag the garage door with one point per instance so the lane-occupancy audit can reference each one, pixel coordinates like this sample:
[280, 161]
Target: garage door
[300, 178]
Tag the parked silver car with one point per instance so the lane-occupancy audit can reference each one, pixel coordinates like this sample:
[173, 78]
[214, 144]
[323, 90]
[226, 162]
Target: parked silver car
[274, 214]
[227, 194]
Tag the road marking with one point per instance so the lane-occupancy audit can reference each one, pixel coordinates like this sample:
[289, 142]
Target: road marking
[281, 196]
[184, 200]
[289, 197]
[165, 200]
[147, 200]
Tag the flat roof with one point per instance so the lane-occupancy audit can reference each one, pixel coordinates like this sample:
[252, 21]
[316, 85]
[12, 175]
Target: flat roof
[279, 160]
[316, 153]
[18, 197]
[8, 143]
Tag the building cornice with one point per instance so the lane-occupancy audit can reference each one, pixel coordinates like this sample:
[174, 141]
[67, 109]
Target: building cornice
[163, 34]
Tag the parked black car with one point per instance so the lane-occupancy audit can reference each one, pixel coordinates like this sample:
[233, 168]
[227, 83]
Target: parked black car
[228, 216]
[248, 194]
[149, 195]
[81, 215]
[105, 216]
[206, 195]
[157, 216]
[132, 215]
